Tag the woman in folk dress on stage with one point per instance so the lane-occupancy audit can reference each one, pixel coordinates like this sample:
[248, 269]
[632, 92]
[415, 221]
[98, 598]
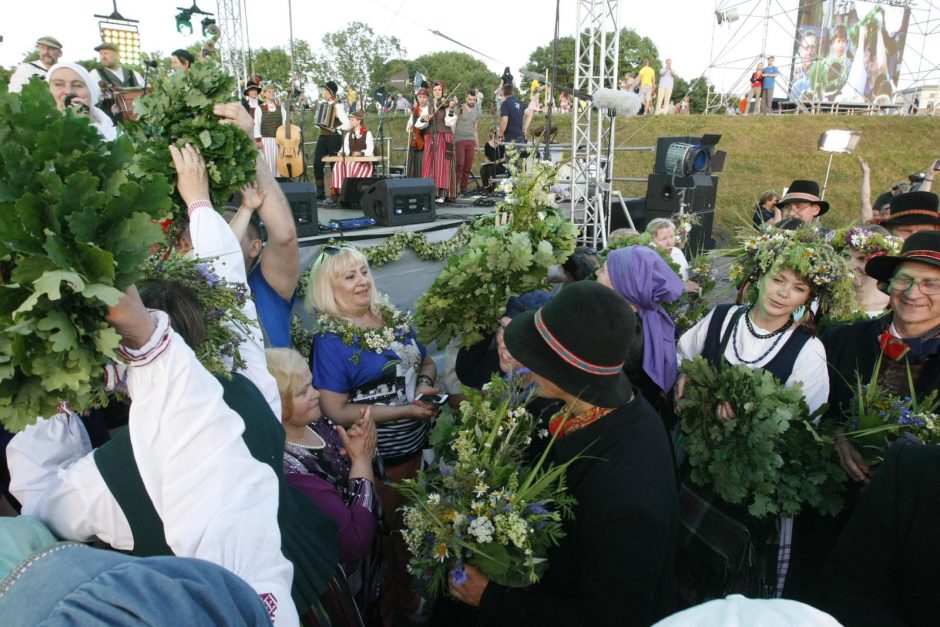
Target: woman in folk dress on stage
[269, 116]
[438, 164]
[357, 143]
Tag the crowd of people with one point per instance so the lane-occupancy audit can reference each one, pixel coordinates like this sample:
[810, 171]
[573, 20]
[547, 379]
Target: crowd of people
[268, 496]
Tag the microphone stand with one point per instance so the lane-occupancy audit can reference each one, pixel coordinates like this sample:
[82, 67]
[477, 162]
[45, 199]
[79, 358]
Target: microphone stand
[381, 132]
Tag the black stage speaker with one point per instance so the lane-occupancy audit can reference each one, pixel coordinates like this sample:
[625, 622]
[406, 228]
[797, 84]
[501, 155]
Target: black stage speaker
[351, 193]
[665, 195]
[393, 202]
[302, 198]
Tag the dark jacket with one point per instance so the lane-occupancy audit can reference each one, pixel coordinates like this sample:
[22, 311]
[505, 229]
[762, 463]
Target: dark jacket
[615, 564]
[885, 567]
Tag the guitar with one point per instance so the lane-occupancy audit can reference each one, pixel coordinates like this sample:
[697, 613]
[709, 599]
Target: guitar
[290, 158]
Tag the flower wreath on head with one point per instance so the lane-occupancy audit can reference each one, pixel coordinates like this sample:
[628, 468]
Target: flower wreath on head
[219, 301]
[805, 252]
[397, 328]
[865, 241]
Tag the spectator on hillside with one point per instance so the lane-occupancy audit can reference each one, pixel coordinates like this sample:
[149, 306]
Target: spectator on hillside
[685, 108]
[564, 103]
[767, 210]
[769, 76]
[401, 104]
[664, 93]
[628, 83]
[647, 79]
[752, 100]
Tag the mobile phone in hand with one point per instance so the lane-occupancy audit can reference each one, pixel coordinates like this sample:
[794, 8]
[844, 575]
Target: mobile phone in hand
[936, 165]
[432, 399]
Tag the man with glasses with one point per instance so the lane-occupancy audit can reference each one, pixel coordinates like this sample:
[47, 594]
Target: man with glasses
[909, 337]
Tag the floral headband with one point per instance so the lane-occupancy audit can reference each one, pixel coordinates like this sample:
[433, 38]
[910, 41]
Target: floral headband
[865, 241]
[805, 252]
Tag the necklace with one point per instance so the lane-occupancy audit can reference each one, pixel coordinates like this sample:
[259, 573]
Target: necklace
[563, 424]
[764, 336]
[734, 342]
[316, 446]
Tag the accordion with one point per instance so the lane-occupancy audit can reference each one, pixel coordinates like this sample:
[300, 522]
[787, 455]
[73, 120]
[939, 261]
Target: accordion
[324, 115]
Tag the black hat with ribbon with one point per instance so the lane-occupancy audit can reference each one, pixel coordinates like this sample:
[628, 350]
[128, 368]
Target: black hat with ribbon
[922, 247]
[803, 191]
[912, 208]
[582, 355]
[332, 87]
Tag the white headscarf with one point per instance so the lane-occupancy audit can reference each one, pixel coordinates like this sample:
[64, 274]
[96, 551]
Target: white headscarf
[99, 119]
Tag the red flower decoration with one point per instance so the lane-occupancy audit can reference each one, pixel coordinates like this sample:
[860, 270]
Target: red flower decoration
[893, 347]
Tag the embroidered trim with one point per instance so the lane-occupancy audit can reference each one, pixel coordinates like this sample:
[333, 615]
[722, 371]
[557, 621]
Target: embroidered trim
[912, 212]
[922, 253]
[570, 357]
[155, 346]
[199, 204]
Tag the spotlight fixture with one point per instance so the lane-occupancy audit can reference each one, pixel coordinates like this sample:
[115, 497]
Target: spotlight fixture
[207, 22]
[184, 22]
[731, 15]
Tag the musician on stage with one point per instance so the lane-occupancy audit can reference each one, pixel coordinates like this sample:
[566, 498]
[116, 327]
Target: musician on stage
[250, 99]
[330, 140]
[182, 60]
[439, 162]
[111, 70]
[415, 128]
[358, 142]
[49, 50]
[269, 117]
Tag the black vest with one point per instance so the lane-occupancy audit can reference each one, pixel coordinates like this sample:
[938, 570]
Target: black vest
[270, 121]
[127, 78]
[781, 366]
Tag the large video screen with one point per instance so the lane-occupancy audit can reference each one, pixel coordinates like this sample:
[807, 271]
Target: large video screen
[848, 51]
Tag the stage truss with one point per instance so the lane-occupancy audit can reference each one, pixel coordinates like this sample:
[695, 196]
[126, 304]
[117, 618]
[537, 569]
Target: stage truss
[597, 47]
[232, 38]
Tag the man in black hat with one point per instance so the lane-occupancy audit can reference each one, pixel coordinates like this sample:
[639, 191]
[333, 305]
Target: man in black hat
[111, 70]
[802, 201]
[331, 139]
[909, 336]
[49, 50]
[911, 213]
[250, 99]
[615, 564]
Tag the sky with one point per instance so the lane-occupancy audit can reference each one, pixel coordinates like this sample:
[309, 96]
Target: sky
[501, 32]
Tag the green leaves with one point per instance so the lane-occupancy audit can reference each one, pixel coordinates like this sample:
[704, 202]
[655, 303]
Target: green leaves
[76, 228]
[770, 458]
[179, 112]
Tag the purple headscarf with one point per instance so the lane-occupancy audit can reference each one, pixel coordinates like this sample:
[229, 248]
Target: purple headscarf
[641, 276]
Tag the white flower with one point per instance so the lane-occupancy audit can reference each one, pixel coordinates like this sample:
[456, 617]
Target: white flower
[482, 529]
[434, 499]
[480, 489]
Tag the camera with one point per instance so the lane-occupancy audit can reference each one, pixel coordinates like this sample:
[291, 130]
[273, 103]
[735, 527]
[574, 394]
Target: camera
[917, 177]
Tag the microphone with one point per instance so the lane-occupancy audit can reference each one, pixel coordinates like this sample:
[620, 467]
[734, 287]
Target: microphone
[70, 98]
[151, 63]
[621, 102]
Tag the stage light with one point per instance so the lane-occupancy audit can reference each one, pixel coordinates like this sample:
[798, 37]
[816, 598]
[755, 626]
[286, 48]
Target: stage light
[839, 141]
[206, 23]
[731, 15]
[127, 38]
[184, 22]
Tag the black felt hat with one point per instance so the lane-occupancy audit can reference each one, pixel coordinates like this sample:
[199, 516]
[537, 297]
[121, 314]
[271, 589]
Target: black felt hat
[252, 86]
[579, 342]
[922, 247]
[332, 86]
[912, 208]
[803, 191]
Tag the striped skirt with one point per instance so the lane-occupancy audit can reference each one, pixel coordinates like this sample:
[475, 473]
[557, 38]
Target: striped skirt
[436, 164]
[269, 150]
[352, 169]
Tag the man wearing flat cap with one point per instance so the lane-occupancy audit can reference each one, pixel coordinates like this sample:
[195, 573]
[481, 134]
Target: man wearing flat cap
[49, 50]
[911, 213]
[111, 70]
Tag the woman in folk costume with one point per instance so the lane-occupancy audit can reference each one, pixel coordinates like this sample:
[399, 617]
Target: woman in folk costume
[269, 116]
[439, 162]
[417, 123]
[71, 79]
[358, 142]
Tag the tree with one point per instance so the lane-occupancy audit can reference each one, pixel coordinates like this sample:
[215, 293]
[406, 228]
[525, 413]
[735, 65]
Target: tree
[697, 91]
[633, 50]
[460, 71]
[273, 64]
[356, 56]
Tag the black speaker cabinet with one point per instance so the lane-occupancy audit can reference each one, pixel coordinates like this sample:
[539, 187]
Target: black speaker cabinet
[665, 195]
[351, 193]
[302, 198]
[394, 202]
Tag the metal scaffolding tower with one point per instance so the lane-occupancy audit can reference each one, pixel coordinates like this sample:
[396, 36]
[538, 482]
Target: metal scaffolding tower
[597, 48]
[232, 46]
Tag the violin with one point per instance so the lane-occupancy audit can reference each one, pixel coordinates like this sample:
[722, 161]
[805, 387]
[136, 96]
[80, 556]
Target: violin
[417, 134]
[290, 159]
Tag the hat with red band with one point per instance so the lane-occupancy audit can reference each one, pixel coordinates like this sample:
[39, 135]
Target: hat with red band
[578, 341]
[912, 208]
[922, 247]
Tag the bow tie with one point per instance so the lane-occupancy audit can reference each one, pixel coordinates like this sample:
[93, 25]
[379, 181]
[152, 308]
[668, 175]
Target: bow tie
[893, 347]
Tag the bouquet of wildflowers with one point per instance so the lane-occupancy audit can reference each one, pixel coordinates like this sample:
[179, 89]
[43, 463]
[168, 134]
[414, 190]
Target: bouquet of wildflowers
[876, 418]
[484, 503]
[684, 224]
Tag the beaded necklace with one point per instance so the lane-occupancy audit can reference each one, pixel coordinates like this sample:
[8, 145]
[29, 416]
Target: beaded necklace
[734, 335]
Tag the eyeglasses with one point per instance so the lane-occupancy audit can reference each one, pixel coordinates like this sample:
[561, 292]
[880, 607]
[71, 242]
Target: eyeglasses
[928, 287]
